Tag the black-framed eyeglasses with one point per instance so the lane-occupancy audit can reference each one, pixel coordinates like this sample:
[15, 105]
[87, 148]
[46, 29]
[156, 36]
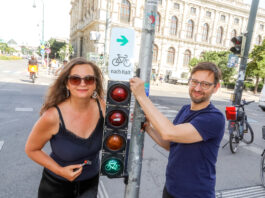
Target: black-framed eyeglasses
[204, 85]
[76, 80]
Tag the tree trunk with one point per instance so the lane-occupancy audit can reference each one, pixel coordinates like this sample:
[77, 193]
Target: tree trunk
[256, 85]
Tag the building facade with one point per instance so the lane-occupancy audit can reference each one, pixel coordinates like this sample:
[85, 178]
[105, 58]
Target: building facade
[184, 28]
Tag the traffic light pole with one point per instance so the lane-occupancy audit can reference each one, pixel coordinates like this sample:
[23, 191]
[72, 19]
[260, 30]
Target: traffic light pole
[106, 35]
[243, 63]
[137, 137]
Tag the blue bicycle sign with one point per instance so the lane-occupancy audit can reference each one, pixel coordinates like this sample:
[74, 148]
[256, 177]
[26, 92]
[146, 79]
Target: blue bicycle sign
[121, 60]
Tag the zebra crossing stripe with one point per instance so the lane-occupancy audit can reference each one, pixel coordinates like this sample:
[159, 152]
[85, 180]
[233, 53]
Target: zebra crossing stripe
[1, 144]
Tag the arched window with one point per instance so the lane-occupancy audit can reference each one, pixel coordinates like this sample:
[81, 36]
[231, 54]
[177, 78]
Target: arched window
[258, 40]
[125, 11]
[174, 25]
[205, 32]
[233, 33]
[157, 22]
[187, 57]
[219, 36]
[190, 27]
[171, 55]
[155, 53]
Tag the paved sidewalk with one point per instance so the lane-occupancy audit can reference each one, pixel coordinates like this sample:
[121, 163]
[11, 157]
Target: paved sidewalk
[182, 91]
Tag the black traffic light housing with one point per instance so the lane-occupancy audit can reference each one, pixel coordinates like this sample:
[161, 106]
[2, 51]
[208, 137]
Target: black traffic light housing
[114, 143]
[237, 42]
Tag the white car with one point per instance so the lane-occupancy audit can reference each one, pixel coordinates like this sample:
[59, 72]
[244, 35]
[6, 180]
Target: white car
[262, 99]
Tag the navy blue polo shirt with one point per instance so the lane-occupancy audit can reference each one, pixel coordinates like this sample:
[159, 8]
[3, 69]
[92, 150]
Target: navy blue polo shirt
[191, 167]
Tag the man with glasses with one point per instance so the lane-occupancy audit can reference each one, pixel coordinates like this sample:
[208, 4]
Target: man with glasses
[194, 137]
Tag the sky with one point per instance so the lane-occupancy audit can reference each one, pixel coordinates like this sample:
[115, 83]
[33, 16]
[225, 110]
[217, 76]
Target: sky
[23, 23]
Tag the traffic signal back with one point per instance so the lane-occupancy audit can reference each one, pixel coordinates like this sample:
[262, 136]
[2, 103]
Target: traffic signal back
[237, 42]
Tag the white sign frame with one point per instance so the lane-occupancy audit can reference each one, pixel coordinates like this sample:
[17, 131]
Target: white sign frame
[121, 54]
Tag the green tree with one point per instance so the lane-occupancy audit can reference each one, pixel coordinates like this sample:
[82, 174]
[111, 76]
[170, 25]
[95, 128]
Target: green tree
[256, 67]
[55, 47]
[220, 59]
[26, 51]
[5, 49]
[66, 51]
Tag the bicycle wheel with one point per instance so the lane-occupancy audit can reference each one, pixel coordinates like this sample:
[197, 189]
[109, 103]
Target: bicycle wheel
[115, 62]
[234, 140]
[262, 168]
[248, 135]
[126, 63]
[33, 78]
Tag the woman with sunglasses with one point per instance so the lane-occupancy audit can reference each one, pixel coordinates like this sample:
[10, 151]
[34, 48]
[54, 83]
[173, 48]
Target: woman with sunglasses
[72, 120]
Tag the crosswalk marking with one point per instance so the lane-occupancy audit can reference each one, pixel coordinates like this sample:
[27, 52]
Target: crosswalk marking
[247, 192]
[23, 109]
[1, 144]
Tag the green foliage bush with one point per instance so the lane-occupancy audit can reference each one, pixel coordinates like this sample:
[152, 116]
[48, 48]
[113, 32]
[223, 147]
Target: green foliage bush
[9, 57]
[230, 85]
[249, 86]
[260, 86]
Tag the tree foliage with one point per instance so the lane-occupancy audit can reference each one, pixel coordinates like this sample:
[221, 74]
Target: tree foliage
[220, 59]
[5, 49]
[55, 47]
[256, 67]
[66, 51]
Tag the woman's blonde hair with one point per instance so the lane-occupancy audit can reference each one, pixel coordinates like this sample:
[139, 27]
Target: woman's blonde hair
[57, 92]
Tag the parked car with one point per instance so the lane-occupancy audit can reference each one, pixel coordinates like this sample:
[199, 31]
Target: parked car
[262, 99]
[175, 78]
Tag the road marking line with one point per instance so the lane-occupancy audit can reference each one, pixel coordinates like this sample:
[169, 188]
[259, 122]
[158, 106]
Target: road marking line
[102, 191]
[8, 121]
[252, 121]
[1, 144]
[23, 109]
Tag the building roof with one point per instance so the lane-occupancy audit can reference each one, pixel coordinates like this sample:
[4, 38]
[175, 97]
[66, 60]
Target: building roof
[12, 42]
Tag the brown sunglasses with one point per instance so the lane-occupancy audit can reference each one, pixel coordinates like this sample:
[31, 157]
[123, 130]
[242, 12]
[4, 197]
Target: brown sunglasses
[76, 80]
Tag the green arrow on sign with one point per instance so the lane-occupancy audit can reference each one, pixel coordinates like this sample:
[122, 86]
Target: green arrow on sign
[123, 40]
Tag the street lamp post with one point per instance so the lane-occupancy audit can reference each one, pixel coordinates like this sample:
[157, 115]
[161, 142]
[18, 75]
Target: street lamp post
[106, 35]
[42, 36]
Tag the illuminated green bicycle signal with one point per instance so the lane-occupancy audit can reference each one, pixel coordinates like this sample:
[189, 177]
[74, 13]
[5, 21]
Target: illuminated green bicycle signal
[113, 166]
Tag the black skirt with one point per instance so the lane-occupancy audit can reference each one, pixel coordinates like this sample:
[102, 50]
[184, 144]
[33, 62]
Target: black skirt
[52, 187]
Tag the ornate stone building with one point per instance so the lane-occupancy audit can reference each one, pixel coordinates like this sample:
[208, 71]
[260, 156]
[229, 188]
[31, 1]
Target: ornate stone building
[184, 28]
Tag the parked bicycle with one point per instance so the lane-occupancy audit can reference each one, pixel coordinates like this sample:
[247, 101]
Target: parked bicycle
[262, 162]
[121, 59]
[238, 126]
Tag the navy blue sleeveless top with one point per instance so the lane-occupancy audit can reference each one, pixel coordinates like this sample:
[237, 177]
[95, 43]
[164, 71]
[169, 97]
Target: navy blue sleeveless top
[68, 148]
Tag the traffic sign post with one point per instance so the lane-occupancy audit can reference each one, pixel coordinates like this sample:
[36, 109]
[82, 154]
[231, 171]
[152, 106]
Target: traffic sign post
[121, 56]
[243, 63]
[232, 61]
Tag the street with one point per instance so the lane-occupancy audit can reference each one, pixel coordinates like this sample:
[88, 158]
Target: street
[20, 102]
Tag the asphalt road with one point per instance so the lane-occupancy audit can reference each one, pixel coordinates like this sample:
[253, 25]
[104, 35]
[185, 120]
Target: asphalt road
[20, 101]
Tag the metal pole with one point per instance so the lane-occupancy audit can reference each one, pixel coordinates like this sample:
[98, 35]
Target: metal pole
[106, 35]
[137, 137]
[42, 42]
[243, 63]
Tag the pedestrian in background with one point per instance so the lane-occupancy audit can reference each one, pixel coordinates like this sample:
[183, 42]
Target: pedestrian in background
[72, 120]
[61, 67]
[194, 137]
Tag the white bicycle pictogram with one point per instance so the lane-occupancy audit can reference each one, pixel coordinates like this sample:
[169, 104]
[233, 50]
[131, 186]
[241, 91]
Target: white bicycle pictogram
[121, 59]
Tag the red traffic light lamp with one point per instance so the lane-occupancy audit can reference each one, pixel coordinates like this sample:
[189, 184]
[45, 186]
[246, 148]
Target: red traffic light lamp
[237, 42]
[115, 129]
